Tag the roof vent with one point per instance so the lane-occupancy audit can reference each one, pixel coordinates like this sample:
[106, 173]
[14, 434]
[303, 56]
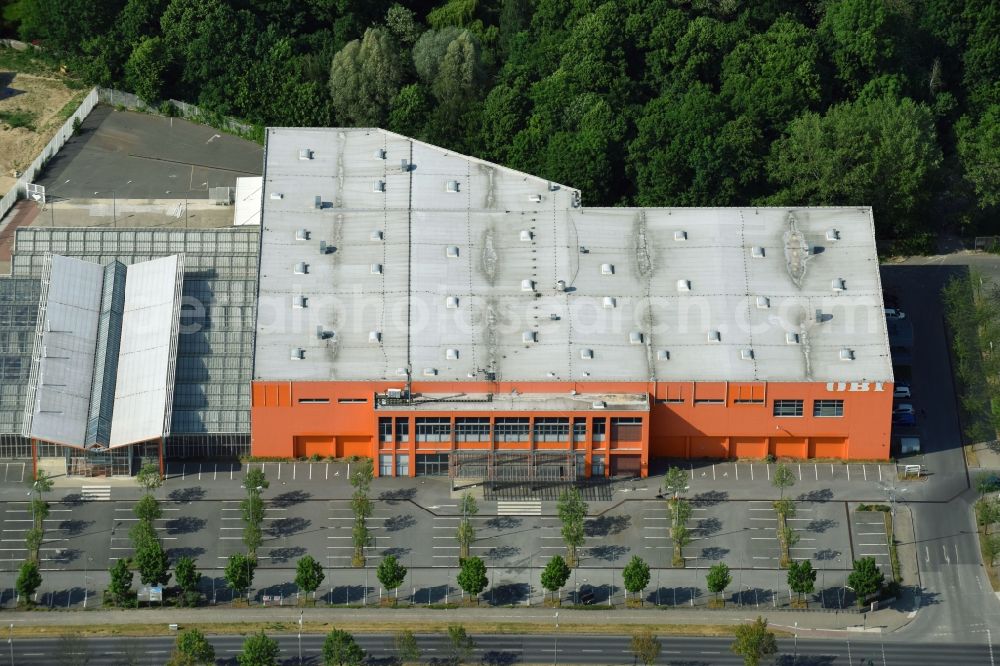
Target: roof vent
[298, 302]
[376, 269]
[680, 235]
[635, 338]
[526, 235]
[451, 354]
[451, 302]
[609, 302]
[298, 353]
[791, 338]
[527, 285]
[599, 404]
[302, 234]
[277, 196]
[586, 353]
[607, 269]
[305, 154]
[757, 252]
[684, 285]
[404, 165]
[535, 198]
[451, 252]
[560, 285]
[846, 354]
[318, 202]
[662, 355]
[430, 372]
[550, 375]
[324, 334]
[378, 186]
[380, 153]
[746, 354]
[528, 337]
[832, 235]
[763, 302]
[838, 284]
[452, 186]
[324, 248]
[300, 268]
[714, 336]
[375, 235]
[374, 337]
[401, 372]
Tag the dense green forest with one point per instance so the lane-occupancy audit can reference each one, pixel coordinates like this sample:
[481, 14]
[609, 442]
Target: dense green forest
[892, 103]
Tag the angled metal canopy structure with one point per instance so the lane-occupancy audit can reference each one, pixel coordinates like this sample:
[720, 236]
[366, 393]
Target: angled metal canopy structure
[102, 371]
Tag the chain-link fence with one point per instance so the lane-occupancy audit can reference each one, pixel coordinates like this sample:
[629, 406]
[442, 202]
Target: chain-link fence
[180, 109]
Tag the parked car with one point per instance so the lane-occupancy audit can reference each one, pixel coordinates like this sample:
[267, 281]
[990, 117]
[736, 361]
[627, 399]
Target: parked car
[893, 313]
[904, 418]
[901, 391]
[903, 408]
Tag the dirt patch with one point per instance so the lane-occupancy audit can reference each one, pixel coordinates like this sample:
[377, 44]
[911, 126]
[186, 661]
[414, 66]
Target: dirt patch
[41, 99]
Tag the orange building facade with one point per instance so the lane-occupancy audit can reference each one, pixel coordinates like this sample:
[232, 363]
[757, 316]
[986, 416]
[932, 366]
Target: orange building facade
[714, 420]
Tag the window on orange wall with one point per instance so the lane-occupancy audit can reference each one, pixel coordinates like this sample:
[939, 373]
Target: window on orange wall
[747, 394]
[674, 394]
[579, 429]
[402, 429]
[385, 429]
[710, 393]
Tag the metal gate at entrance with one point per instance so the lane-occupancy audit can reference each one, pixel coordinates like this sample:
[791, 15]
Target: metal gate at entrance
[520, 475]
[109, 462]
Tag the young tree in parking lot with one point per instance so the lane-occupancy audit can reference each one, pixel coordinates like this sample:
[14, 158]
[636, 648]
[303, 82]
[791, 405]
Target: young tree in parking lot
[252, 510]
[33, 541]
[801, 578]
[391, 573]
[188, 579]
[680, 512]
[192, 649]
[361, 505]
[255, 481]
[239, 572]
[462, 644]
[572, 513]
[472, 577]
[866, 579]
[718, 579]
[147, 509]
[466, 534]
[28, 580]
[783, 478]
[120, 588]
[309, 575]
[39, 512]
[42, 483]
[754, 642]
[252, 538]
[340, 649]
[259, 650]
[635, 575]
[555, 574]
[149, 477]
[152, 563]
[645, 646]
[675, 482]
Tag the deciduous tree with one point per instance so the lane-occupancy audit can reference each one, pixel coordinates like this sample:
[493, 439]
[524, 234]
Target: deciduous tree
[754, 642]
[572, 514]
[391, 573]
[308, 574]
[801, 577]
[192, 649]
[340, 649]
[645, 646]
[259, 650]
[635, 575]
[865, 579]
[364, 77]
[718, 579]
[555, 574]
[29, 578]
[472, 577]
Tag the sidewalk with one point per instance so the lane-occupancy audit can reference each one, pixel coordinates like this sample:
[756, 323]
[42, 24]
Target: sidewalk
[805, 623]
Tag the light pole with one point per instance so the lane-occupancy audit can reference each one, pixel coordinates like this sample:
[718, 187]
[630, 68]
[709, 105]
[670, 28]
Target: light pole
[555, 641]
[796, 643]
[300, 637]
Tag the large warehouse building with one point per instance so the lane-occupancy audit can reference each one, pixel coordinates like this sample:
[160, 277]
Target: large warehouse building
[442, 314]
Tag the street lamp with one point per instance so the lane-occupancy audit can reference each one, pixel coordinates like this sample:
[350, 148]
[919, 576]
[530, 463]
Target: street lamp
[300, 637]
[555, 641]
[114, 205]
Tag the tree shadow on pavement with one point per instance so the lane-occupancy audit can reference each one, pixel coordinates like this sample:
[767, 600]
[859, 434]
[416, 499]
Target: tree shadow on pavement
[285, 554]
[606, 525]
[821, 524]
[714, 553]
[506, 594]
[397, 523]
[608, 553]
[710, 497]
[185, 525]
[176, 553]
[288, 526]
[192, 494]
[823, 495]
[503, 523]
[397, 495]
[291, 498]
[75, 527]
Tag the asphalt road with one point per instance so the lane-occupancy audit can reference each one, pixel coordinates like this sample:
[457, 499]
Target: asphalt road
[496, 650]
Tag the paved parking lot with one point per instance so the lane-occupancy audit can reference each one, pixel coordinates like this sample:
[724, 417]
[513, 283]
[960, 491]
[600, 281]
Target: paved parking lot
[870, 538]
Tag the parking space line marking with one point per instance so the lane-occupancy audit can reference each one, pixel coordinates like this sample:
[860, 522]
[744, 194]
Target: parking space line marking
[751, 471]
[293, 471]
[800, 471]
[736, 466]
[328, 471]
[768, 468]
[848, 472]
[199, 471]
[816, 467]
[310, 472]
[879, 467]
[215, 471]
[279, 471]
[864, 471]
[231, 472]
[713, 471]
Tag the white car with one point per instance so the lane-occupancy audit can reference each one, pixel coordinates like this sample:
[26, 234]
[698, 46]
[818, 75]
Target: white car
[901, 391]
[903, 408]
[893, 313]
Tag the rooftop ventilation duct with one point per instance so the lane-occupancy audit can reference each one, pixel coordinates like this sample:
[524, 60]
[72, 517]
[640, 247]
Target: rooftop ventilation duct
[599, 404]
[277, 196]
[380, 153]
[763, 302]
[318, 202]
[609, 302]
[305, 154]
[452, 186]
[684, 285]
[528, 337]
[662, 355]
[527, 285]
[832, 235]
[374, 337]
[375, 235]
[300, 268]
[301, 234]
[451, 252]
[298, 353]
[430, 372]
[526, 235]
[680, 235]
[714, 336]
[535, 198]
[378, 186]
[298, 302]
[757, 252]
[324, 334]
[376, 269]
[451, 354]
[560, 285]
[791, 338]
[607, 269]
[586, 353]
[401, 372]
[846, 354]
[451, 302]
[838, 284]
[635, 338]
[746, 354]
